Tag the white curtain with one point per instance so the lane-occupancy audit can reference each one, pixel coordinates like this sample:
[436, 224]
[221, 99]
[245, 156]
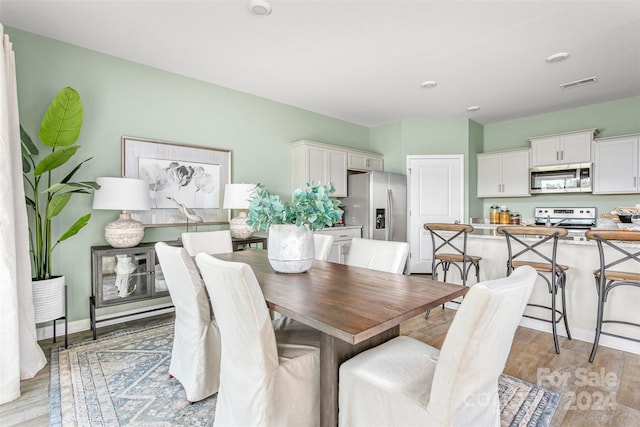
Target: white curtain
[20, 354]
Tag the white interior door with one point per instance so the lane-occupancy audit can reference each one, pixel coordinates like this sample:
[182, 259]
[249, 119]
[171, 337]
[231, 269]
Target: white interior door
[435, 185]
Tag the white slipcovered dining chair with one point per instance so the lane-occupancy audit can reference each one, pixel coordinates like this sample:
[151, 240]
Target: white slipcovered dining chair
[195, 357]
[379, 255]
[209, 242]
[405, 382]
[263, 381]
[322, 245]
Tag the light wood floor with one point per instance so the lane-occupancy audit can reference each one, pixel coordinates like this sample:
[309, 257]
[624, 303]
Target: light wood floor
[603, 393]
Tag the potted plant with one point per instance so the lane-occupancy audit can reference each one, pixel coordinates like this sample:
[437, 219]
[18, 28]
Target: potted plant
[46, 198]
[291, 224]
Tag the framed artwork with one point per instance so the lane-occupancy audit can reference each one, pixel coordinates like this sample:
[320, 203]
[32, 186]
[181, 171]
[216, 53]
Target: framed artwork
[192, 176]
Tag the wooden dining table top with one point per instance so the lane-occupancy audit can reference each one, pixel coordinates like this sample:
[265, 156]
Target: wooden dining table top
[350, 303]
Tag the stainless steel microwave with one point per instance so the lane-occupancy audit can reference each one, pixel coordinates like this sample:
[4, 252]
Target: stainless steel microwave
[575, 178]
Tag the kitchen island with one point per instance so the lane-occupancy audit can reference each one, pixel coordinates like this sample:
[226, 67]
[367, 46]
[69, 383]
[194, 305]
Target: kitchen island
[581, 256]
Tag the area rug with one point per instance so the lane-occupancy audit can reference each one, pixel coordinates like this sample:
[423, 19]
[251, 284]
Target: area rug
[122, 379]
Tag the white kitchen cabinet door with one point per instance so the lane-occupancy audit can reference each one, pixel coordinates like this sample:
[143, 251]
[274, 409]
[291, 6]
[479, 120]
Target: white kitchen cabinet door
[574, 147]
[515, 173]
[545, 151]
[503, 174]
[316, 163]
[489, 175]
[616, 165]
[337, 171]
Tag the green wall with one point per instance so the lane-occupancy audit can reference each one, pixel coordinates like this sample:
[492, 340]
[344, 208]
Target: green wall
[125, 98]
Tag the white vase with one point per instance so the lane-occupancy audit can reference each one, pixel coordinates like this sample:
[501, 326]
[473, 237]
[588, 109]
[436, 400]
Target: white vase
[290, 248]
[48, 299]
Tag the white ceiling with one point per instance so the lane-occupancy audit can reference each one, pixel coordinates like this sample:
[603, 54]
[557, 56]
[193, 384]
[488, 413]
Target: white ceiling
[364, 61]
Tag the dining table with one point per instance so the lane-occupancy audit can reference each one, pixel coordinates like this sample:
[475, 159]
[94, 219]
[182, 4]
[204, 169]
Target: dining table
[354, 309]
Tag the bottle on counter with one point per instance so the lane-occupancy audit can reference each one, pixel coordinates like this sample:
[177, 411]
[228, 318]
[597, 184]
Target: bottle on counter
[494, 214]
[505, 215]
[515, 218]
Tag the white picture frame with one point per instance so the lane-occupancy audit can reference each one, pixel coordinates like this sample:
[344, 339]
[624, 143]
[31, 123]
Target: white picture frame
[194, 176]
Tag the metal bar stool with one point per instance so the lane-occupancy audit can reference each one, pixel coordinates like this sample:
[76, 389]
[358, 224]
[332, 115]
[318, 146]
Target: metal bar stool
[554, 274]
[460, 259]
[607, 279]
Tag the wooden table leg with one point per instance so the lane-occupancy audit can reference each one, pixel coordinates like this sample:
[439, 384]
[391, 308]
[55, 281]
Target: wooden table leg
[333, 352]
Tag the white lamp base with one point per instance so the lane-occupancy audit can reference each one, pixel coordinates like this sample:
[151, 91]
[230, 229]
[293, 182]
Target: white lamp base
[124, 232]
[238, 227]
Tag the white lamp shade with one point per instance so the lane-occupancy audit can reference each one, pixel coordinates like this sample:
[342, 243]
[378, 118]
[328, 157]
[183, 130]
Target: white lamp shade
[238, 196]
[126, 194]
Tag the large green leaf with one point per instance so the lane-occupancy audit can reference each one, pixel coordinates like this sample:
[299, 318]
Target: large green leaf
[28, 149]
[62, 122]
[77, 226]
[70, 174]
[57, 203]
[55, 160]
[73, 187]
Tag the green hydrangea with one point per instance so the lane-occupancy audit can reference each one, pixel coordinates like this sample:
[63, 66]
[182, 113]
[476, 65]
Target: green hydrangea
[312, 207]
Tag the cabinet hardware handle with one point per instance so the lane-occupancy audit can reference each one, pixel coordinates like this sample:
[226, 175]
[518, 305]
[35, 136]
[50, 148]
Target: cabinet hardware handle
[557, 156]
[562, 155]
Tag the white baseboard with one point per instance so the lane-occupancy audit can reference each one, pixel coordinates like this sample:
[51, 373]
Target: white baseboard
[106, 320]
[577, 334]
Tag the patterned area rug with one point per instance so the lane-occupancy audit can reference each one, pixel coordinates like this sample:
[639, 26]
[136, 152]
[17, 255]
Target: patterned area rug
[122, 379]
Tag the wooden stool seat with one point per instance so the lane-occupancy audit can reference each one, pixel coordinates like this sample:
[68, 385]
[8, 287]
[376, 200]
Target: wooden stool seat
[457, 258]
[540, 266]
[621, 276]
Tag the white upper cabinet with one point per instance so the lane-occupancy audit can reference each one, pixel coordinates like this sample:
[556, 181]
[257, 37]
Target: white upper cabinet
[365, 161]
[566, 148]
[616, 165]
[314, 162]
[503, 174]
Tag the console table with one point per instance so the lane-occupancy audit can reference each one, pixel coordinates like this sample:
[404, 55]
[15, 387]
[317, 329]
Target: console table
[240, 244]
[125, 275]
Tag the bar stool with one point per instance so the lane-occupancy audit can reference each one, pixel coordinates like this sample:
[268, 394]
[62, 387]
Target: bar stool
[460, 259]
[608, 279]
[517, 246]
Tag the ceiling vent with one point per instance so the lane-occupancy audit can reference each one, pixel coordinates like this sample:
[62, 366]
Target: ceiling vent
[580, 82]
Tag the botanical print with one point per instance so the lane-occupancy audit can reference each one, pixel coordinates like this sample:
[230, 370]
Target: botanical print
[195, 185]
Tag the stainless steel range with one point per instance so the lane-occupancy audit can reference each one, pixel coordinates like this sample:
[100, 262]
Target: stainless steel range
[576, 220]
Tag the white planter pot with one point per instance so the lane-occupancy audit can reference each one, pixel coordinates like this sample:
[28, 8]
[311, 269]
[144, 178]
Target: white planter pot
[291, 248]
[48, 299]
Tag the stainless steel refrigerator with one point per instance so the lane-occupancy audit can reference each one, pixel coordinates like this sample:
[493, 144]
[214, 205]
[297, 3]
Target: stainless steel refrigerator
[378, 202]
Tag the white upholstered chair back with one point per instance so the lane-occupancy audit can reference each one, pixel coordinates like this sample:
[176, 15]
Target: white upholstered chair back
[322, 243]
[407, 382]
[476, 348]
[261, 382]
[195, 357]
[209, 242]
[379, 255]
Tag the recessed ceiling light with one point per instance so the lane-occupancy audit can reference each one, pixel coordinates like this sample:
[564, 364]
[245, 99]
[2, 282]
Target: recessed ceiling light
[557, 57]
[580, 82]
[429, 84]
[473, 108]
[259, 7]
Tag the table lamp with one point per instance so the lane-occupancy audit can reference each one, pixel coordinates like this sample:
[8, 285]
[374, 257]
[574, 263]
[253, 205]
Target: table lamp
[238, 196]
[125, 194]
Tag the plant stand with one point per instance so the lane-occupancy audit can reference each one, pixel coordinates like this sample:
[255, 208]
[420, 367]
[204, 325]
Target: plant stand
[50, 303]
